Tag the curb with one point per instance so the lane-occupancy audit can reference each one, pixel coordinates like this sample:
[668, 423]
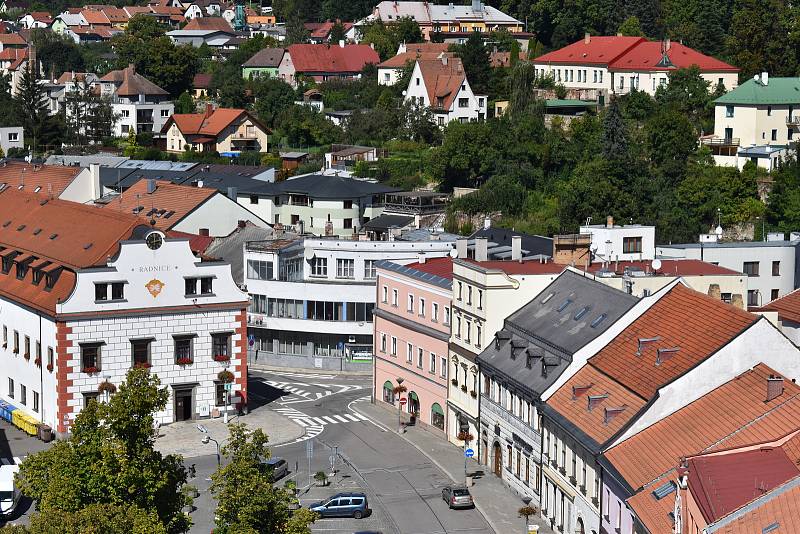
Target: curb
[442, 469]
[305, 370]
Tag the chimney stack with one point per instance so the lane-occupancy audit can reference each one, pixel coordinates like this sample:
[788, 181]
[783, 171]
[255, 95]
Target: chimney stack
[151, 186]
[209, 110]
[516, 248]
[714, 292]
[94, 176]
[487, 223]
[422, 258]
[204, 232]
[233, 193]
[481, 249]
[774, 387]
[587, 38]
[610, 222]
[667, 44]
[341, 43]
[765, 78]
[738, 301]
[461, 248]
[242, 223]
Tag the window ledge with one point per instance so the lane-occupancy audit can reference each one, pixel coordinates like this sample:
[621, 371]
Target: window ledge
[110, 301]
[198, 295]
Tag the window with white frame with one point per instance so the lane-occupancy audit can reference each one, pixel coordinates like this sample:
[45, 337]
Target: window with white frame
[383, 342]
[409, 353]
[434, 312]
[458, 327]
[432, 369]
[420, 357]
[394, 298]
[385, 294]
[370, 271]
[345, 268]
[319, 267]
[447, 315]
[421, 307]
[410, 307]
[443, 367]
[394, 346]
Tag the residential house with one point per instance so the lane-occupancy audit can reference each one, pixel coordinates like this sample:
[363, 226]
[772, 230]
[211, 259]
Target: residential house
[756, 122]
[314, 298]
[442, 86]
[263, 64]
[200, 85]
[678, 345]
[70, 272]
[213, 31]
[534, 347]
[141, 105]
[182, 208]
[758, 402]
[68, 20]
[222, 130]
[447, 19]
[320, 32]
[36, 19]
[48, 180]
[615, 242]
[11, 137]
[6, 5]
[771, 266]
[12, 40]
[412, 329]
[323, 62]
[785, 314]
[96, 18]
[389, 71]
[615, 65]
[83, 35]
[13, 63]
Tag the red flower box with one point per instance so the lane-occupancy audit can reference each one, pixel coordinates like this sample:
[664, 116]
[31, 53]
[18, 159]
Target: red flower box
[184, 361]
[91, 370]
[27, 355]
[38, 362]
[50, 367]
[222, 358]
[143, 365]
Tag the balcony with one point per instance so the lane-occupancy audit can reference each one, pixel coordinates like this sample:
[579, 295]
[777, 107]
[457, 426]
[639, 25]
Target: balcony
[793, 120]
[720, 141]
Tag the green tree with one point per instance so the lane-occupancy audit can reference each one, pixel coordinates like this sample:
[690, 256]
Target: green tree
[94, 519]
[615, 136]
[109, 459]
[406, 30]
[687, 93]
[670, 140]
[783, 204]
[381, 37]
[57, 54]
[247, 500]
[31, 108]
[475, 58]
[272, 96]
[337, 33]
[296, 32]
[185, 103]
[631, 27]
[751, 44]
[523, 81]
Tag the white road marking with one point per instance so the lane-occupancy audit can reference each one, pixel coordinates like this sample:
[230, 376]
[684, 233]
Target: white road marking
[340, 418]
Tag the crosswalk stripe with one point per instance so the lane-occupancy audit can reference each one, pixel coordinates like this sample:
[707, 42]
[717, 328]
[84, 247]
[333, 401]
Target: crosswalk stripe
[361, 417]
[300, 422]
[340, 418]
[319, 421]
[351, 417]
[320, 395]
[330, 419]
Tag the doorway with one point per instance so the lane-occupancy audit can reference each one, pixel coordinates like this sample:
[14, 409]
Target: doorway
[184, 405]
[498, 459]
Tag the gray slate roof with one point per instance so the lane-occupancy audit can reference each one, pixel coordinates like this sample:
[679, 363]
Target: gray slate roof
[551, 328]
[266, 57]
[322, 186]
[531, 244]
[230, 247]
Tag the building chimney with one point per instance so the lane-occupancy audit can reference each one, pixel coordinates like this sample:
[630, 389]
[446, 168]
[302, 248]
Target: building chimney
[444, 59]
[476, 6]
[204, 232]
[422, 257]
[94, 176]
[587, 38]
[341, 43]
[461, 248]
[516, 248]
[131, 68]
[233, 193]
[774, 387]
[242, 223]
[609, 222]
[737, 301]
[481, 249]
[714, 292]
[487, 223]
[151, 186]
[199, 183]
[765, 78]
[667, 44]
[209, 110]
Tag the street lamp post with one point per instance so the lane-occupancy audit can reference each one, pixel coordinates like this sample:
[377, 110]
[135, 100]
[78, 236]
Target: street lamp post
[207, 438]
[398, 390]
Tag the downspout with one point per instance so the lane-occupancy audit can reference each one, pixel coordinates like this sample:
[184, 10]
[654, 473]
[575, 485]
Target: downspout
[41, 370]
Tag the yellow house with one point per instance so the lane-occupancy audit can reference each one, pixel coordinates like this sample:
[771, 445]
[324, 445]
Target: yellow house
[224, 130]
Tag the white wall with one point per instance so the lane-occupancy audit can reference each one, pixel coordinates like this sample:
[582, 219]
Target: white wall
[753, 125]
[616, 235]
[220, 215]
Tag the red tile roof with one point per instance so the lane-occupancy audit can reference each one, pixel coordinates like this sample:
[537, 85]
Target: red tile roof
[668, 268]
[600, 50]
[442, 267]
[51, 180]
[198, 243]
[321, 30]
[416, 52]
[443, 79]
[209, 23]
[777, 507]
[788, 307]
[698, 325]
[156, 206]
[520, 268]
[95, 18]
[202, 124]
[322, 58]
[201, 81]
[15, 57]
[704, 424]
[646, 56]
[632, 53]
[11, 39]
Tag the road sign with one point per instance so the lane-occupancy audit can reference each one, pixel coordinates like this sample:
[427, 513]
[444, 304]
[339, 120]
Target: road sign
[403, 402]
[228, 386]
[469, 453]
[309, 449]
[251, 340]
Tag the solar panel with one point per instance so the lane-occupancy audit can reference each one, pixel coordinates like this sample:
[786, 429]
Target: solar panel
[770, 528]
[664, 490]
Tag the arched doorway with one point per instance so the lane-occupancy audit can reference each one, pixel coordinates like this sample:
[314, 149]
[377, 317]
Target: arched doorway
[388, 395]
[579, 527]
[498, 459]
[437, 416]
[413, 402]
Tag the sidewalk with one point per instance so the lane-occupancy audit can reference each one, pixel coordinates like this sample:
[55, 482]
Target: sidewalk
[493, 499]
[184, 438]
[304, 370]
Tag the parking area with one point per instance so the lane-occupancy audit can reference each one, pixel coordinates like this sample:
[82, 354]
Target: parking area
[14, 442]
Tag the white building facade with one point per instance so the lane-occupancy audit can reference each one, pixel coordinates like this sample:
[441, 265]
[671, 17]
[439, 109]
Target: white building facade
[610, 242]
[456, 102]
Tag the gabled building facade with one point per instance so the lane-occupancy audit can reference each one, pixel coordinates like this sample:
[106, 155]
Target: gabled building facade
[223, 130]
[322, 62]
[441, 85]
[140, 105]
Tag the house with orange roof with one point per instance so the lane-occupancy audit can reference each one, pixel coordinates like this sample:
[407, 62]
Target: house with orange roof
[69, 271]
[183, 208]
[36, 19]
[141, 105]
[785, 314]
[389, 71]
[644, 472]
[322, 62]
[11, 40]
[222, 130]
[441, 85]
[677, 346]
[13, 62]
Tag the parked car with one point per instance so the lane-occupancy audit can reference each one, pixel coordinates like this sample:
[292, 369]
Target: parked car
[343, 505]
[457, 497]
[278, 467]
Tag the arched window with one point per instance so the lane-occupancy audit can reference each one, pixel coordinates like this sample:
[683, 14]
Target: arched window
[388, 395]
[437, 416]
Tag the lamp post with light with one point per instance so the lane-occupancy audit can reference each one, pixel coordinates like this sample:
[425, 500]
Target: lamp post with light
[207, 438]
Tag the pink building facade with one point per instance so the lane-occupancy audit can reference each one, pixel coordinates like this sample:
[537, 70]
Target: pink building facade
[412, 329]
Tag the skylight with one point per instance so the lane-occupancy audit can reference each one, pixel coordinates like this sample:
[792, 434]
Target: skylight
[563, 305]
[547, 298]
[583, 311]
[599, 319]
[664, 490]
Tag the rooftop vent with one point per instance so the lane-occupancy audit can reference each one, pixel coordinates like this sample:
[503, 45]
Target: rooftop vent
[20, 228]
[580, 391]
[770, 528]
[5, 224]
[37, 231]
[53, 236]
[663, 355]
[642, 341]
[583, 311]
[610, 413]
[547, 298]
[664, 490]
[595, 400]
[501, 335]
[549, 361]
[87, 246]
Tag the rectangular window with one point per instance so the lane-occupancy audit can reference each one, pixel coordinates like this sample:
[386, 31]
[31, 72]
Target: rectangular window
[27, 352]
[458, 327]
[480, 299]
[469, 295]
[409, 353]
[774, 294]
[183, 349]
[468, 337]
[101, 292]
[50, 357]
[790, 134]
[420, 357]
[345, 268]
[422, 307]
[728, 111]
[769, 111]
[383, 342]
[259, 270]
[16, 342]
[347, 224]
[370, 271]
[23, 394]
[90, 357]
[140, 351]
[478, 335]
[774, 135]
[5, 336]
[394, 346]
[190, 286]
[36, 401]
[394, 298]
[446, 315]
[434, 312]
[319, 267]
[221, 345]
[443, 367]
[253, 199]
[460, 289]
[206, 285]
[118, 291]
[463, 102]
[11, 387]
[776, 268]
[410, 308]
[13, 136]
[385, 294]
[631, 245]
[750, 268]
[89, 397]
[219, 393]
[433, 363]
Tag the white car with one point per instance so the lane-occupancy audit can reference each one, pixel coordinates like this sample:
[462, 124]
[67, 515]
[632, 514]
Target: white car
[9, 494]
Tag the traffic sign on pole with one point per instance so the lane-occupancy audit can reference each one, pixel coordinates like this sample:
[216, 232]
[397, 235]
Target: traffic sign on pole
[403, 401]
[469, 453]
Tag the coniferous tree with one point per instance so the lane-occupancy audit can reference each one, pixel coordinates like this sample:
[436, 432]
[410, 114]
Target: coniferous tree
[31, 107]
[615, 135]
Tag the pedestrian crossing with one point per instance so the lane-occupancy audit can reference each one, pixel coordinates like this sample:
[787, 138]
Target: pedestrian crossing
[309, 421]
[292, 387]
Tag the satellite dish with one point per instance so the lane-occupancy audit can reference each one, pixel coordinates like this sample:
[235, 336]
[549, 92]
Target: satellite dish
[453, 253]
[656, 264]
